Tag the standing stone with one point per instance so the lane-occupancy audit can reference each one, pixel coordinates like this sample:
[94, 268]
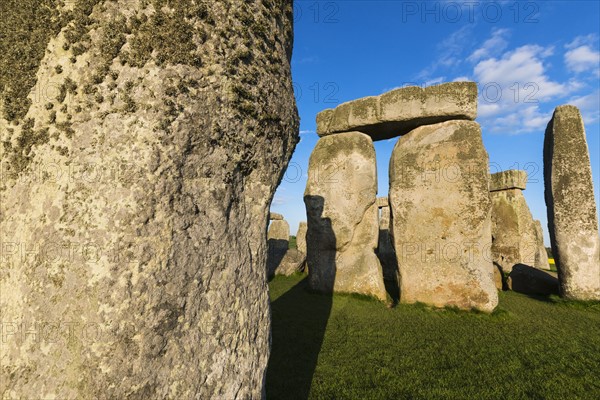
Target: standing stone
[343, 221]
[141, 144]
[279, 230]
[278, 239]
[385, 247]
[541, 256]
[440, 203]
[514, 236]
[572, 217]
[292, 262]
[301, 237]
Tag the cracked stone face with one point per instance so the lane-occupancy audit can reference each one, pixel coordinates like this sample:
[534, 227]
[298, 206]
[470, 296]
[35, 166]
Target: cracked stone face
[139, 161]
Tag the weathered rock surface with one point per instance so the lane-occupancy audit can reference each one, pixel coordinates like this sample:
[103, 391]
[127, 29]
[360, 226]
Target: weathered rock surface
[514, 236]
[510, 179]
[572, 215]
[301, 237]
[441, 216]
[528, 280]
[275, 216]
[401, 110]
[278, 240]
[292, 262]
[137, 176]
[343, 221]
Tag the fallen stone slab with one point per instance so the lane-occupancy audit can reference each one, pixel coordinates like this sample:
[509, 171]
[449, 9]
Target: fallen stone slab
[399, 111]
[528, 280]
[572, 216]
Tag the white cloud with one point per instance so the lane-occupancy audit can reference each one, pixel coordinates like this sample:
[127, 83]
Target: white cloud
[306, 60]
[519, 76]
[494, 45]
[517, 91]
[514, 86]
[488, 110]
[461, 79]
[522, 119]
[449, 51]
[279, 200]
[307, 131]
[583, 58]
[434, 81]
[589, 105]
[589, 40]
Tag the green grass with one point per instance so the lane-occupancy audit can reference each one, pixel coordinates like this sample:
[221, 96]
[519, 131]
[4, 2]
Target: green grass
[350, 347]
[292, 242]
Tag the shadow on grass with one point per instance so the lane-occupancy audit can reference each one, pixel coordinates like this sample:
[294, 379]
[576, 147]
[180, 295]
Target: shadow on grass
[535, 283]
[299, 316]
[299, 319]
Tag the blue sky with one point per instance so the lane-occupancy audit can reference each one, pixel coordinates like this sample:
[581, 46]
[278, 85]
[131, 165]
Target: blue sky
[527, 58]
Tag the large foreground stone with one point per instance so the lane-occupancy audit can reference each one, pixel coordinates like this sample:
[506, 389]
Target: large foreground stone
[441, 216]
[401, 110]
[514, 236]
[572, 216]
[343, 216]
[136, 182]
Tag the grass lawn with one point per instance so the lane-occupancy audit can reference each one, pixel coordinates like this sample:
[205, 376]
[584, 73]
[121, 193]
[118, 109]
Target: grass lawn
[351, 347]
